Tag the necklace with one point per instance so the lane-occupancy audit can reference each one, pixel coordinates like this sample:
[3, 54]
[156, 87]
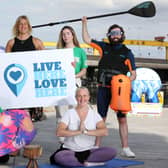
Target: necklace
[22, 41]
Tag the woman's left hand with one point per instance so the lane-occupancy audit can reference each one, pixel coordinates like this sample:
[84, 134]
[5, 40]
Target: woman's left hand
[73, 64]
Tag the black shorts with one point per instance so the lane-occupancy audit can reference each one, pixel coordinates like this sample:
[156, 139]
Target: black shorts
[103, 102]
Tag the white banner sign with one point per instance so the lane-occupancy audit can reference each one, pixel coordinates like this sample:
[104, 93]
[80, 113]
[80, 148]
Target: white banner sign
[37, 78]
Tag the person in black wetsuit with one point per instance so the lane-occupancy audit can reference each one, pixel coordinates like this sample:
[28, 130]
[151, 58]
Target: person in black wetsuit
[24, 41]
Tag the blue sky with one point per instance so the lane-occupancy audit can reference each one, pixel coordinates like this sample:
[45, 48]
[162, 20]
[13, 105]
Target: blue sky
[46, 11]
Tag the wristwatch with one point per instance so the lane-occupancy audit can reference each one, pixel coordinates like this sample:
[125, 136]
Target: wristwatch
[85, 131]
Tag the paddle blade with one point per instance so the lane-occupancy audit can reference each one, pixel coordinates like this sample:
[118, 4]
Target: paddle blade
[145, 9]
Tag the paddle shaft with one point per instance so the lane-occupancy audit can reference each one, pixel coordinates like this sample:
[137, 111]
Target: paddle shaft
[76, 20]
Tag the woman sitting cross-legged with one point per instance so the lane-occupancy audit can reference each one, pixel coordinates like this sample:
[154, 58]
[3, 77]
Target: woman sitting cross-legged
[80, 126]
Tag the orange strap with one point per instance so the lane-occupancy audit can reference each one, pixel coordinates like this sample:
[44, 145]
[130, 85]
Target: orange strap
[128, 63]
[97, 47]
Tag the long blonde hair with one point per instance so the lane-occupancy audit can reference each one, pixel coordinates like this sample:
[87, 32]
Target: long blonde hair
[16, 25]
[61, 43]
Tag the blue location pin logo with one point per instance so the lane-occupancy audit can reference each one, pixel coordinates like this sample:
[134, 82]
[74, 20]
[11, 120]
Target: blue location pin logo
[15, 76]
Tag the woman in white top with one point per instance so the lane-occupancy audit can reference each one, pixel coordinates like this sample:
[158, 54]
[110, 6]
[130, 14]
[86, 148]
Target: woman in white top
[80, 126]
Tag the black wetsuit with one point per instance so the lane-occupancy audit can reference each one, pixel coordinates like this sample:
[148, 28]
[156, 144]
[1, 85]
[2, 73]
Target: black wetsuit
[111, 63]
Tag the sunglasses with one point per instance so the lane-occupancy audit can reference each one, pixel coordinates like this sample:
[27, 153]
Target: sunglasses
[115, 33]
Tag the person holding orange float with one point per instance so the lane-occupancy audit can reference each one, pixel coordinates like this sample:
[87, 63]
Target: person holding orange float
[112, 62]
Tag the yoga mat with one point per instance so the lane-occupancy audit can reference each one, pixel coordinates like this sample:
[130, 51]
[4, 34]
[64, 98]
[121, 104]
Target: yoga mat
[114, 163]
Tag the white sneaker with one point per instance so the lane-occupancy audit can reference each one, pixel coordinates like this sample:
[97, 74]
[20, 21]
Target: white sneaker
[127, 153]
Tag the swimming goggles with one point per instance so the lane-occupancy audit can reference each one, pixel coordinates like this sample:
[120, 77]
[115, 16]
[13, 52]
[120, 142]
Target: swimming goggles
[115, 33]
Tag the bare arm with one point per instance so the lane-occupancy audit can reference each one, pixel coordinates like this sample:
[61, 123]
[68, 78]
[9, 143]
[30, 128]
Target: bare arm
[9, 45]
[101, 130]
[62, 131]
[81, 73]
[85, 34]
[38, 44]
[133, 75]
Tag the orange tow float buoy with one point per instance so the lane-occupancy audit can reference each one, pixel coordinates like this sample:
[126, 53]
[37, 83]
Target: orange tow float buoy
[121, 93]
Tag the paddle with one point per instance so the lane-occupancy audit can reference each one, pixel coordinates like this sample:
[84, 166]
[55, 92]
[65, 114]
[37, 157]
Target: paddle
[145, 9]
